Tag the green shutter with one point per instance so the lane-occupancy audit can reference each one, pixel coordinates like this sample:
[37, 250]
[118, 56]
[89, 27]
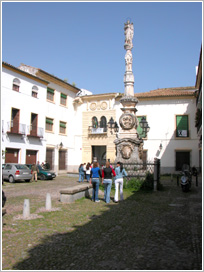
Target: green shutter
[50, 90]
[139, 129]
[63, 95]
[49, 121]
[63, 125]
[182, 126]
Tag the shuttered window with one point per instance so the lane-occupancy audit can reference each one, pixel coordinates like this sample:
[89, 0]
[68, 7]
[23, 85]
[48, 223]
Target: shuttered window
[50, 94]
[63, 99]
[182, 126]
[49, 124]
[63, 127]
[139, 129]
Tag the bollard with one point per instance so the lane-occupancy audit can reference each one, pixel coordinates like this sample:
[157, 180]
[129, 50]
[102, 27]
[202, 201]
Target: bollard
[26, 208]
[171, 178]
[48, 204]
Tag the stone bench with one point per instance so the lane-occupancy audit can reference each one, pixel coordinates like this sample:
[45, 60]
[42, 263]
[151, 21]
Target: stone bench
[75, 192]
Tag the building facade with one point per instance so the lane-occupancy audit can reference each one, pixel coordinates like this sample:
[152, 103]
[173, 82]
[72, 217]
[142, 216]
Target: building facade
[57, 125]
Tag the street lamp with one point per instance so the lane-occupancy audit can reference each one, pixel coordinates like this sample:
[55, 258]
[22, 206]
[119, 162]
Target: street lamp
[144, 125]
[113, 125]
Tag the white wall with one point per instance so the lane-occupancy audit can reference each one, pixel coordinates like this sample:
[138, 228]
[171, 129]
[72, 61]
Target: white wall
[27, 104]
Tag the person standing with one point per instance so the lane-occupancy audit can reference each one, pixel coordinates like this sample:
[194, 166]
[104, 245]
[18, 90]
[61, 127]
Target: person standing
[120, 173]
[107, 174]
[35, 171]
[88, 171]
[81, 173]
[94, 180]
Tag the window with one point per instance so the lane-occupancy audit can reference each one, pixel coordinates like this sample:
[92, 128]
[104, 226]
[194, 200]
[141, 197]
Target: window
[15, 117]
[94, 122]
[182, 157]
[50, 94]
[182, 126]
[63, 99]
[35, 91]
[139, 129]
[16, 84]
[103, 123]
[62, 127]
[49, 124]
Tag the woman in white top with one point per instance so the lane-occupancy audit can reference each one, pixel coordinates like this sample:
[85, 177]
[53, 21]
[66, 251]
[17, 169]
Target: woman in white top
[120, 173]
[88, 171]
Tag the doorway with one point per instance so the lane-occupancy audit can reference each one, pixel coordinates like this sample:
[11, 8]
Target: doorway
[99, 152]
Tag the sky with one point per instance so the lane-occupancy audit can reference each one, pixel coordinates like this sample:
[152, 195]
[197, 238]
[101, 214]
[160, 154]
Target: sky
[83, 42]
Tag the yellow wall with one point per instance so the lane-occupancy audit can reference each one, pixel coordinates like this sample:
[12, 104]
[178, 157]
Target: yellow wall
[98, 139]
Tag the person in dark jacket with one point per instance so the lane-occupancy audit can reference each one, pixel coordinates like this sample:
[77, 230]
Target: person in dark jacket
[94, 179]
[107, 174]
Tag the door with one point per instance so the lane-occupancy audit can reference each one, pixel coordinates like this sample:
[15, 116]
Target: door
[15, 117]
[31, 156]
[182, 157]
[62, 159]
[49, 157]
[34, 124]
[11, 155]
[99, 152]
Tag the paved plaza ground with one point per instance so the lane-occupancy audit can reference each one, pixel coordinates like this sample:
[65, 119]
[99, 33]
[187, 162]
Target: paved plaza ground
[160, 230]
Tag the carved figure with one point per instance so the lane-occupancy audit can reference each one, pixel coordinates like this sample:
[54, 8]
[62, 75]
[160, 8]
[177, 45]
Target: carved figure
[129, 31]
[127, 121]
[126, 151]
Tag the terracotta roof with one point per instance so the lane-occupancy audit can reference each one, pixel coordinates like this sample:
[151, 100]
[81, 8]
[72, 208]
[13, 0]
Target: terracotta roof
[5, 64]
[168, 92]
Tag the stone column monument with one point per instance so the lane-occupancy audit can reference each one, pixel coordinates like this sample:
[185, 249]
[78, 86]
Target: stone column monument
[129, 146]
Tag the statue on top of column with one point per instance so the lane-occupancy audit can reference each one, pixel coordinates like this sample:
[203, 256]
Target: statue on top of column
[129, 32]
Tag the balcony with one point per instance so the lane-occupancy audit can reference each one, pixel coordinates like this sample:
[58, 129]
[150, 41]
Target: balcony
[97, 131]
[35, 132]
[16, 128]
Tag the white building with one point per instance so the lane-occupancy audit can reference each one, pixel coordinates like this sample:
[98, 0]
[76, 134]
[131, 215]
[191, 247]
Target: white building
[23, 127]
[67, 137]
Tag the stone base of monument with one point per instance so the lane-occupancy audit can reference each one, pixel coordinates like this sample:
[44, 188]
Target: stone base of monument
[128, 151]
[69, 195]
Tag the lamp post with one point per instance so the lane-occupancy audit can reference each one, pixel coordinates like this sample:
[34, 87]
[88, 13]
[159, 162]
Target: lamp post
[113, 125]
[144, 125]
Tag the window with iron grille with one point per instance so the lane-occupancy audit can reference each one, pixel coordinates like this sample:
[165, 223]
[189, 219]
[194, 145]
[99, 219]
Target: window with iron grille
[63, 127]
[35, 91]
[50, 94]
[49, 124]
[16, 84]
[63, 99]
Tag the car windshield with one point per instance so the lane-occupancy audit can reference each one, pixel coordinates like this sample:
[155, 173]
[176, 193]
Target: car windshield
[18, 166]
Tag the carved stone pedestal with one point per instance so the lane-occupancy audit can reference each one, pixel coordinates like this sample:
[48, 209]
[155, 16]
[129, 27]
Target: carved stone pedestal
[128, 150]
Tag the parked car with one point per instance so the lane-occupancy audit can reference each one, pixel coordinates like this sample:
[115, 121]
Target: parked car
[43, 173]
[16, 171]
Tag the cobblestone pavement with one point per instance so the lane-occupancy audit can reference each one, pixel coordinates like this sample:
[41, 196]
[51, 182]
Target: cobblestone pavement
[175, 239]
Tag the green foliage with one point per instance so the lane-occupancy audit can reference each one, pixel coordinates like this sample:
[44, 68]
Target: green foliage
[148, 183]
[133, 183]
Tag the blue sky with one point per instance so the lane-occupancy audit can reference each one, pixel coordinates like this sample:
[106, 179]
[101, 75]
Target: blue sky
[84, 42]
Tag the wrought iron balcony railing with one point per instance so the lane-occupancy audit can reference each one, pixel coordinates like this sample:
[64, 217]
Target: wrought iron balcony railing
[35, 131]
[16, 128]
[92, 130]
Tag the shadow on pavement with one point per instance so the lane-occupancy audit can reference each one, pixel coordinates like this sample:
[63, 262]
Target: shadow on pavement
[147, 231]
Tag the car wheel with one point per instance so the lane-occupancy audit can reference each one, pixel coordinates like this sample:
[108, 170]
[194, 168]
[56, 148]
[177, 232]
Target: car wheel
[11, 179]
[42, 177]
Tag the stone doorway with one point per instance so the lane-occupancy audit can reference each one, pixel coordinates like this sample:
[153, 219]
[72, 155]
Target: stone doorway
[99, 152]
